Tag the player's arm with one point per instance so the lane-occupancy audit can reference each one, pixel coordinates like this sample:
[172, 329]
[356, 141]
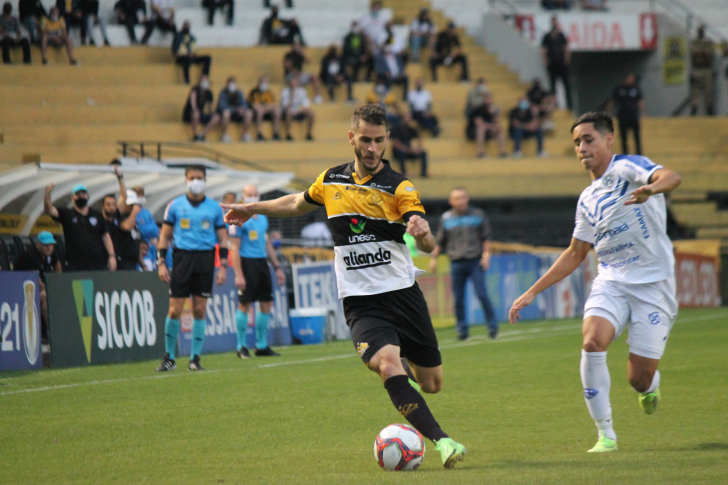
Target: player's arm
[273, 258]
[106, 239]
[563, 267]
[287, 206]
[222, 241]
[234, 255]
[419, 228]
[165, 235]
[48, 206]
[661, 181]
[128, 224]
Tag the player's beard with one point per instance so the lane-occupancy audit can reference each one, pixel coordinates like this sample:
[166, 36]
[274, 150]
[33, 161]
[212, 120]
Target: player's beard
[362, 160]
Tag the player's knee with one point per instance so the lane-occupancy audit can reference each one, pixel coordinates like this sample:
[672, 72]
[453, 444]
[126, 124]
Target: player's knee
[174, 315]
[591, 344]
[640, 381]
[431, 386]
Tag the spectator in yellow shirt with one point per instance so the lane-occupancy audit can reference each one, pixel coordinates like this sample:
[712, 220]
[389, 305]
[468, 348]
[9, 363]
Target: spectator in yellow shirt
[53, 31]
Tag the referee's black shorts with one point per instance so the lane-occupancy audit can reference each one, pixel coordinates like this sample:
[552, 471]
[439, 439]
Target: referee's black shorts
[258, 283]
[398, 318]
[193, 273]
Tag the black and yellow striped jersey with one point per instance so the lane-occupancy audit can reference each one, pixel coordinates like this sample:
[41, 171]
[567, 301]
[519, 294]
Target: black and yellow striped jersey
[367, 218]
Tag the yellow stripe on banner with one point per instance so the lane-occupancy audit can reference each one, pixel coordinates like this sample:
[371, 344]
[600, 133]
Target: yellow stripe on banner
[11, 223]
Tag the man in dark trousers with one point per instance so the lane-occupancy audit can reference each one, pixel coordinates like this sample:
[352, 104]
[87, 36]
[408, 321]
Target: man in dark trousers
[88, 244]
[557, 57]
[10, 35]
[183, 49]
[464, 235]
[629, 103]
[127, 14]
[407, 145]
[120, 216]
[447, 50]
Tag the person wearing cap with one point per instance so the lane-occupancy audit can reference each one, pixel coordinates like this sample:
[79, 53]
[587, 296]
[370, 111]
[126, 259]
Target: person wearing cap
[41, 258]
[88, 244]
[447, 50]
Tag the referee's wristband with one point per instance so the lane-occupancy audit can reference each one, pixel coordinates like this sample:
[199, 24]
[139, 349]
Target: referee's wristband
[161, 256]
[223, 253]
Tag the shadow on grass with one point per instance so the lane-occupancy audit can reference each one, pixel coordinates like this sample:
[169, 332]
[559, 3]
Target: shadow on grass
[698, 447]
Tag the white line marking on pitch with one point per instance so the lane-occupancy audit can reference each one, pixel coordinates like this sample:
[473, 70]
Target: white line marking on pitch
[505, 337]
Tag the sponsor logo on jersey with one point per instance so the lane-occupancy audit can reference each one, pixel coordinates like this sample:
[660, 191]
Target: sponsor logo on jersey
[354, 187]
[377, 186]
[654, 318]
[590, 393]
[357, 226]
[338, 176]
[355, 261]
[407, 409]
[361, 347]
[375, 199]
[362, 238]
[611, 233]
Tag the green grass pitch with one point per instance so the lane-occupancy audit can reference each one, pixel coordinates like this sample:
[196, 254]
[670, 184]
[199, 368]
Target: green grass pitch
[311, 416]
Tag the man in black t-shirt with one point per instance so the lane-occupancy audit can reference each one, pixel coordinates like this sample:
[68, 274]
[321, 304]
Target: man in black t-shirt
[483, 125]
[121, 223]
[198, 109]
[403, 149]
[524, 123]
[43, 259]
[557, 57]
[88, 244]
[628, 100]
[446, 50]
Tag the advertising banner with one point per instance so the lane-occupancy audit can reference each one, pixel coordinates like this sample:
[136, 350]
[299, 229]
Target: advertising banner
[696, 277]
[20, 321]
[595, 32]
[103, 317]
[674, 68]
[221, 330]
[314, 286]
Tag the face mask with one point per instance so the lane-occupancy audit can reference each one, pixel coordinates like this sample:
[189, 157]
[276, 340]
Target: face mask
[419, 88]
[196, 186]
[276, 243]
[380, 89]
[375, 13]
[264, 87]
[81, 202]
[232, 87]
[205, 84]
[252, 199]
[482, 88]
[54, 18]
[524, 104]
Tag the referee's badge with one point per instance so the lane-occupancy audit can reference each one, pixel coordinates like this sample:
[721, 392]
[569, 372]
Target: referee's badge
[205, 224]
[184, 223]
[361, 347]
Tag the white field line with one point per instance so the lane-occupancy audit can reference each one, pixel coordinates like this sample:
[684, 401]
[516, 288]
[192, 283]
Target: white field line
[505, 337]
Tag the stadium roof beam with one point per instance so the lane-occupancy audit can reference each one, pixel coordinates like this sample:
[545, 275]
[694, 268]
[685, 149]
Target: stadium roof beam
[162, 181]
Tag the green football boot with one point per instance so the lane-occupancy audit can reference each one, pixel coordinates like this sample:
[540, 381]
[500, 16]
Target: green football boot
[604, 445]
[649, 402]
[451, 451]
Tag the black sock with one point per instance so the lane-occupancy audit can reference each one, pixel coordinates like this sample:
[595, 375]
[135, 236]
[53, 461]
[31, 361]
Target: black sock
[413, 407]
[407, 369]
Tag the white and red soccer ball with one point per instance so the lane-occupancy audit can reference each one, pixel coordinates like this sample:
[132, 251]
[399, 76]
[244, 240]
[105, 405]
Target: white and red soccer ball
[399, 448]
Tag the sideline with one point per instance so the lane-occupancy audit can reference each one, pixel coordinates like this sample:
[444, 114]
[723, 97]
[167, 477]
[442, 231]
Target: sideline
[505, 337]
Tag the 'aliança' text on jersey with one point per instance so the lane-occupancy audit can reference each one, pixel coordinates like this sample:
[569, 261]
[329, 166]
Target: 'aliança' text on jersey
[367, 218]
[630, 240]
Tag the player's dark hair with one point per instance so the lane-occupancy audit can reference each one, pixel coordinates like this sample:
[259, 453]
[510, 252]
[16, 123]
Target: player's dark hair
[103, 199]
[199, 168]
[601, 119]
[371, 114]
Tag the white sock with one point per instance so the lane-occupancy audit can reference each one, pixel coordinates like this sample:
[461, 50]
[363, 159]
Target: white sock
[597, 382]
[655, 383]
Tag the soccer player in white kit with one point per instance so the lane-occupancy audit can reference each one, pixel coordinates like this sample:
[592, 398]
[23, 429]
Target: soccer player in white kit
[623, 215]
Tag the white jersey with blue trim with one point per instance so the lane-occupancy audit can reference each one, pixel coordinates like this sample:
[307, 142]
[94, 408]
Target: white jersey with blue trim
[630, 240]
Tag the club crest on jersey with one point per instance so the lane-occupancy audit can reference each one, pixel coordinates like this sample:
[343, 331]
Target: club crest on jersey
[337, 196]
[361, 347]
[357, 226]
[375, 199]
[654, 318]
[590, 393]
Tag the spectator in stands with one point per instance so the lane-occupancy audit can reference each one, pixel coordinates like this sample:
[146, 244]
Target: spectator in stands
[265, 108]
[390, 69]
[420, 104]
[382, 96]
[702, 52]
[198, 109]
[483, 125]
[555, 4]
[293, 63]
[43, 259]
[10, 35]
[289, 4]
[545, 101]
[161, 16]
[30, 12]
[476, 96]
[422, 31]
[296, 106]
[374, 26]
[594, 5]
[396, 44]
[212, 5]
[628, 101]
[357, 54]
[183, 49]
[127, 14]
[231, 106]
[72, 13]
[229, 198]
[524, 123]
[53, 32]
[91, 17]
[333, 73]
[407, 145]
[447, 51]
[88, 244]
[276, 31]
[557, 57]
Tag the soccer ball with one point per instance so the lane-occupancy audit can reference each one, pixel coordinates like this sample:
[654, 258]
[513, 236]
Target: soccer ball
[400, 448]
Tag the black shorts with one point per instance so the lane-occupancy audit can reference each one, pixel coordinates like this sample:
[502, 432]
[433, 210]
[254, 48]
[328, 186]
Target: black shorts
[204, 118]
[266, 117]
[258, 284]
[470, 133]
[193, 273]
[297, 116]
[396, 318]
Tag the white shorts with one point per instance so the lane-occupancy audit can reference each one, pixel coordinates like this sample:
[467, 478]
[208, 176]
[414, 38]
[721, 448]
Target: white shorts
[649, 309]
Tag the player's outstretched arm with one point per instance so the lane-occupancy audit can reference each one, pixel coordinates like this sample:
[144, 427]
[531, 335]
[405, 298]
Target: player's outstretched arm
[563, 267]
[286, 206]
[661, 182]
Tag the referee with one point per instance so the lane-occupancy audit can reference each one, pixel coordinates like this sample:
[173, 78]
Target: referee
[250, 251]
[196, 223]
